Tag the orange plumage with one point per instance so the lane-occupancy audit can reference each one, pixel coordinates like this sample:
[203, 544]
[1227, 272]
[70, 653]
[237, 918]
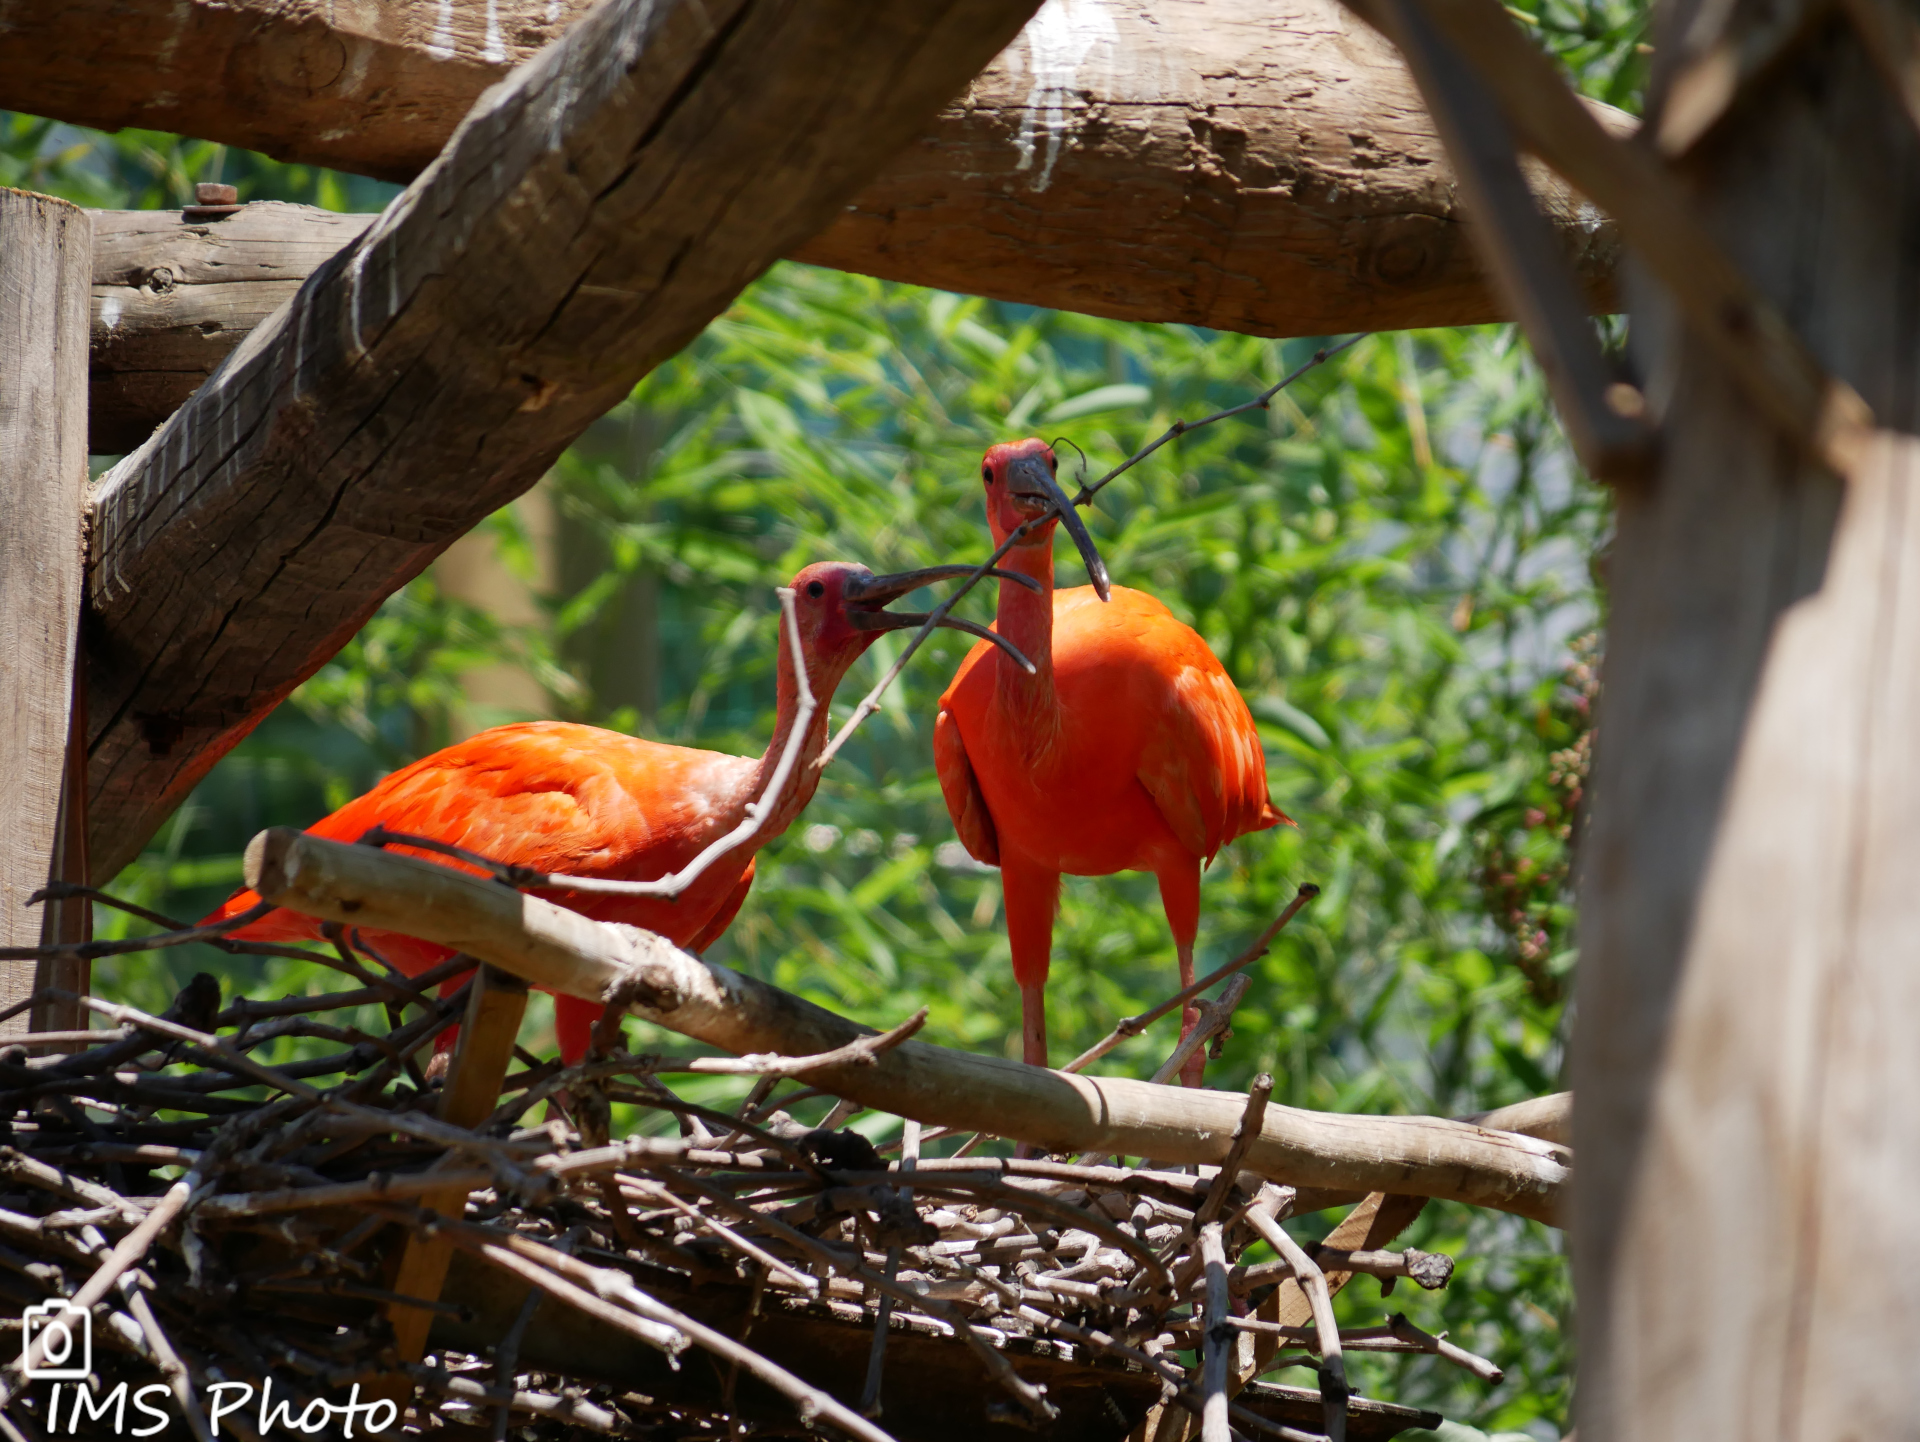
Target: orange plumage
[564, 798]
[581, 801]
[1129, 749]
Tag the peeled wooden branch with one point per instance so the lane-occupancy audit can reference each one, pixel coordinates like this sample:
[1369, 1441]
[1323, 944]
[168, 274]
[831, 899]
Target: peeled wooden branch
[1549, 1118]
[564, 952]
[1429, 1270]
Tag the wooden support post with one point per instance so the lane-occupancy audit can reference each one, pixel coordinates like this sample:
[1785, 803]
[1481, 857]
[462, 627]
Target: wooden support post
[1744, 1057]
[495, 1008]
[68, 919]
[46, 266]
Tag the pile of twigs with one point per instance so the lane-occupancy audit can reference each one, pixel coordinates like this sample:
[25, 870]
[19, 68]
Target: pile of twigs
[231, 1226]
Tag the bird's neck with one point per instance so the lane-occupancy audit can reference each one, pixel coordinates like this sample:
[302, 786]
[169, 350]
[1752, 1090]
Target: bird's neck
[801, 780]
[1026, 619]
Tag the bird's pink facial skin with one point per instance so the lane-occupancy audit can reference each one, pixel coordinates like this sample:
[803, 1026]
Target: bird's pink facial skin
[1009, 503]
[820, 606]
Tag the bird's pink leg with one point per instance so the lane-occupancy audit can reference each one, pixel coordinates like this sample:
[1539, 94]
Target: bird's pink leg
[1194, 1072]
[1180, 895]
[1032, 897]
[1033, 1024]
[444, 1044]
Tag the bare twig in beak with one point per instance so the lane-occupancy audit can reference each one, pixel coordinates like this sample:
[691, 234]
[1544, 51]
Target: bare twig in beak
[1030, 478]
[866, 599]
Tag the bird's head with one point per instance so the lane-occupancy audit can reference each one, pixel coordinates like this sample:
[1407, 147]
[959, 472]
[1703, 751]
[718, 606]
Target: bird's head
[1022, 486]
[841, 609]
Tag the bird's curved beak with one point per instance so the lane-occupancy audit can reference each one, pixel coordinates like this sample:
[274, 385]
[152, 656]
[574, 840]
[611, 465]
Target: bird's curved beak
[867, 597]
[1035, 492]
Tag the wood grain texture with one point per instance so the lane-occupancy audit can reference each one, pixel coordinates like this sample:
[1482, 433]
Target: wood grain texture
[563, 952]
[587, 221]
[370, 86]
[45, 259]
[1748, 915]
[173, 298]
[1220, 162]
[1770, 1135]
[495, 1008]
[1265, 168]
[70, 919]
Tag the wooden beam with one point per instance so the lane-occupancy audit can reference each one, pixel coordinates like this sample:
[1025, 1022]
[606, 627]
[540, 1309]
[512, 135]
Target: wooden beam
[1223, 164]
[587, 221]
[1748, 922]
[45, 257]
[374, 87]
[1254, 167]
[1653, 209]
[172, 298]
[566, 953]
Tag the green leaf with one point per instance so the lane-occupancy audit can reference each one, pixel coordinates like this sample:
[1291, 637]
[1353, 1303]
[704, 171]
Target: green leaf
[1101, 398]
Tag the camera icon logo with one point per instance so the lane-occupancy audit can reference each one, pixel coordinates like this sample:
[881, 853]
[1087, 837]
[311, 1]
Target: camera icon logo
[65, 1334]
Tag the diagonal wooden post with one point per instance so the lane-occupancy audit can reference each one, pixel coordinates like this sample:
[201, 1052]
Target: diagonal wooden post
[495, 1009]
[46, 268]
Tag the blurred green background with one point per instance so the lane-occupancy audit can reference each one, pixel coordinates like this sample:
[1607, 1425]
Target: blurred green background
[1397, 564]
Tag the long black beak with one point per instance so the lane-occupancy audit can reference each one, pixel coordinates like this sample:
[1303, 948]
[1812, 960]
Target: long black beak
[1032, 478]
[867, 597]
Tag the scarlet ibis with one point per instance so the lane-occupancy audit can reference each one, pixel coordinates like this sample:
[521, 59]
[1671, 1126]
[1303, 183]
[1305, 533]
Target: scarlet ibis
[1126, 749]
[582, 801]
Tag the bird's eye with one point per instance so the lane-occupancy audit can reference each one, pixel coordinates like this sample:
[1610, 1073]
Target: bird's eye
[816, 589]
[986, 475]
[1053, 463]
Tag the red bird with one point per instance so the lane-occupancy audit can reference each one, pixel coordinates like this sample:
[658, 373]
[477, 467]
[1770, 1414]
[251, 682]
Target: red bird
[1126, 749]
[581, 801]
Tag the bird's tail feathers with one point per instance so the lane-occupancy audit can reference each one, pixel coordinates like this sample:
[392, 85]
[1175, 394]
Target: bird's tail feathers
[277, 925]
[1271, 815]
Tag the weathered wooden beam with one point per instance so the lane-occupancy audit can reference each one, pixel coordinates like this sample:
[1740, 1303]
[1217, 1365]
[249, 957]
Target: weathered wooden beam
[566, 953]
[586, 222]
[1256, 167]
[172, 298]
[45, 255]
[1225, 164]
[374, 87]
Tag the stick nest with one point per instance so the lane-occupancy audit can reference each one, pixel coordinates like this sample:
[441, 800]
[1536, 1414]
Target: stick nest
[230, 1222]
